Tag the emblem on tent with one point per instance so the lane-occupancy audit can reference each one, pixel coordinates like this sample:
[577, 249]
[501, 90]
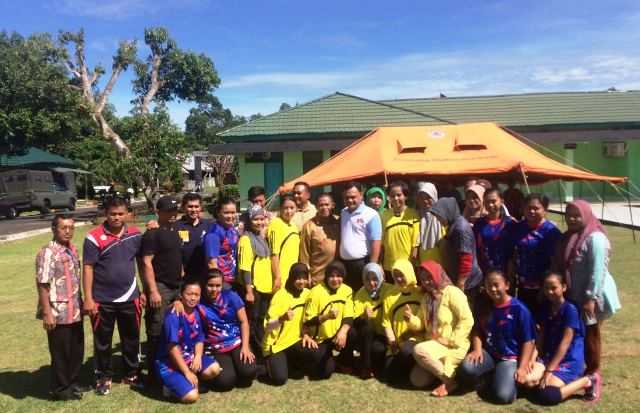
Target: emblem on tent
[436, 134]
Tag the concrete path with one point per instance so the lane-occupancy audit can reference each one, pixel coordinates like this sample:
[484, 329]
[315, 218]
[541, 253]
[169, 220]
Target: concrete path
[614, 213]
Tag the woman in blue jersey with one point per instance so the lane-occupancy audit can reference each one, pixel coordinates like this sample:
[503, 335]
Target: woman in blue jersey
[502, 343]
[559, 371]
[492, 234]
[535, 240]
[226, 333]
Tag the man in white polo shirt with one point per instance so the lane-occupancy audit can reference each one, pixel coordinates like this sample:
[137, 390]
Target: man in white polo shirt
[361, 234]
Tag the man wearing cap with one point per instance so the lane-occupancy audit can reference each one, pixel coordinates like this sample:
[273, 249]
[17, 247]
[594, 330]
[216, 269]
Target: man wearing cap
[162, 272]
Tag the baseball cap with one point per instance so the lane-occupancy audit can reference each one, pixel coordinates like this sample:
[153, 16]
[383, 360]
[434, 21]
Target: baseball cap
[167, 204]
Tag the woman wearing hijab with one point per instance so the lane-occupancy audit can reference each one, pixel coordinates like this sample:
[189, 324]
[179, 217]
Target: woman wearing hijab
[473, 203]
[448, 321]
[402, 327]
[254, 270]
[431, 230]
[282, 344]
[459, 256]
[328, 316]
[367, 334]
[376, 198]
[585, 252]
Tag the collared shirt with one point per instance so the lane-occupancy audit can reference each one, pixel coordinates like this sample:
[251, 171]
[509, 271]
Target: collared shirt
[508, 327]
[303, 215]
[58, 266]
[114, 263]
[192, 237]
[357, 230]
[535, 248]
[318, 241]
[401, 233]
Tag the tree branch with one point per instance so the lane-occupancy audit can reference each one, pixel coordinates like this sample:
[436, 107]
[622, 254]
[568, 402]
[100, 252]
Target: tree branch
[104, 95]
[156, 84]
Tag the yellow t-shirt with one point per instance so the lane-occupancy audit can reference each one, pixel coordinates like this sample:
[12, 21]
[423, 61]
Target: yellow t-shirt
[284, 241]
[320, 302]
[400, 234]
[290, 332]
[393, 313]
[362, 300]
[259, 267]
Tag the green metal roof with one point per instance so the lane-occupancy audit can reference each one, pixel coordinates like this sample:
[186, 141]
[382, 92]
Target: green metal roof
[34, 156]
[342, 115]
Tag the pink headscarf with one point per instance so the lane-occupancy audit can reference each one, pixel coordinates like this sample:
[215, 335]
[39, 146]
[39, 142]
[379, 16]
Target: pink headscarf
[574, 240]
[470, 215]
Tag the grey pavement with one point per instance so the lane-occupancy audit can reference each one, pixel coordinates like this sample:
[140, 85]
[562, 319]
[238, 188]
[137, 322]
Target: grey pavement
[30, 223]
[613, 213]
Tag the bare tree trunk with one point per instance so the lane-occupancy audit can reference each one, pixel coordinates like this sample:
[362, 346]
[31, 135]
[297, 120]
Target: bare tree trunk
[156, 84]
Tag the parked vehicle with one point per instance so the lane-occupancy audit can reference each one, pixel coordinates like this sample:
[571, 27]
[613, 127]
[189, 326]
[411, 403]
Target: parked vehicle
[24, 190]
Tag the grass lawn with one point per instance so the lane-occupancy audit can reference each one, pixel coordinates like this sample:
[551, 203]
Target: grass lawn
[24, 371]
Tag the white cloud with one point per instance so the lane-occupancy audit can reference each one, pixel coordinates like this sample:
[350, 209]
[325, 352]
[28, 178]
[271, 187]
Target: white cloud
[116, 9]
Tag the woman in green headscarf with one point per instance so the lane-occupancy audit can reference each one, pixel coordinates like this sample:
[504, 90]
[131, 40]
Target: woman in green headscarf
[376, 198]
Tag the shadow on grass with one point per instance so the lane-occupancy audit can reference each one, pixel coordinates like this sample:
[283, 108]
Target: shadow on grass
[22, 384]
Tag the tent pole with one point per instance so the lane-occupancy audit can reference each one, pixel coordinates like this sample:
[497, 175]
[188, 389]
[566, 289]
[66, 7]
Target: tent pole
[633, 230]
[604, 188]
[560, 197]
[524, 178]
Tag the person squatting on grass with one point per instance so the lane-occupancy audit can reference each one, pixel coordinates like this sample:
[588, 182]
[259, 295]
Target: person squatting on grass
[282, 346]
[558, 373]
[60, 308]
[180, 361]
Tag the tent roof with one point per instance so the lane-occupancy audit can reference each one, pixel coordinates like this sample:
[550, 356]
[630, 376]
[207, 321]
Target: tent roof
[442, 152]
[34, 156]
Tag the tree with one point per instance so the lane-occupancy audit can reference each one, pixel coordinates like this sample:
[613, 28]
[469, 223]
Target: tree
[206, 120]
[284, 106]
[168, 73]
[37, 108]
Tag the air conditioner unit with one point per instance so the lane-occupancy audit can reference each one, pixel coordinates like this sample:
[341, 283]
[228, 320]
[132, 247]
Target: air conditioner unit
[614, 149]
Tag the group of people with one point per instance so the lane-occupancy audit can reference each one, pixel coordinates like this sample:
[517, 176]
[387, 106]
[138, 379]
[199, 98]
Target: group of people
[495, 296]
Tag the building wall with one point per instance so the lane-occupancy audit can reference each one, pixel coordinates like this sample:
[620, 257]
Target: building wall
[251, 173]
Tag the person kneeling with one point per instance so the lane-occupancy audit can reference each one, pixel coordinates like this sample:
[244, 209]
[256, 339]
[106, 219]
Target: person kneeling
[328, 317]
[180, 361]
[282, 344]
[559, 372]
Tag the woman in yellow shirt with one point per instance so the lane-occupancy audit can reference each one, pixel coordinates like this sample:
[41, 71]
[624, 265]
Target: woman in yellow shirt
[400, 228]
[448, 321]
[402, 328]
[284, 241]
[282, 345]
[254, 273]
[328, 316]
[367, 334]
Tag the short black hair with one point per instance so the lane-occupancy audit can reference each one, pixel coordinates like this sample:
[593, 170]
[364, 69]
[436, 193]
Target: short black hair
[335, 266]
[191, 196]
[535, 196]
[494, 190]
[59, 217]
[353, 184]
[115, 202]
[324, 195]
[254, 192]
[306, 185]
[187, 282]
[560, 276]
[399, 184]
[213, 273]
[498, 272]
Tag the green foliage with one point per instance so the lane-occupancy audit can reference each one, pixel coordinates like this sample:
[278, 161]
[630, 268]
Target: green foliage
[232, 191]
[157, 147]
[182, 74]
[206, 120]
[37, 106]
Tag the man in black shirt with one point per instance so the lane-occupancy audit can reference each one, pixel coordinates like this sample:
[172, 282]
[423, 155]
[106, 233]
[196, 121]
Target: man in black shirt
[162, 267]
[192, 229]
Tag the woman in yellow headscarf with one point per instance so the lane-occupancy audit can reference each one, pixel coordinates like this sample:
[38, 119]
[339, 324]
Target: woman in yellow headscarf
[402, 326]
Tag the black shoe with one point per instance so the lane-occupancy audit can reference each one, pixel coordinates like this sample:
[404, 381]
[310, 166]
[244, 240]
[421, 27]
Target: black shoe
[77, 388]
[66, 395]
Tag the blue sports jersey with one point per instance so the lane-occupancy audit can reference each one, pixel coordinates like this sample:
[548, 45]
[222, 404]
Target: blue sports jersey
[185, 330]
[507, 329]
[493, 242]
[553, 326]
[222, 331]
[222, 244]
[535, 248]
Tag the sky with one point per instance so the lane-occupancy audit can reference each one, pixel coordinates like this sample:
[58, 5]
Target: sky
[270, 52]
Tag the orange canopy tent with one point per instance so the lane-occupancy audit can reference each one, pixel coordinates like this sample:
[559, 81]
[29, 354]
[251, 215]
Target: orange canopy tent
[440, 152]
